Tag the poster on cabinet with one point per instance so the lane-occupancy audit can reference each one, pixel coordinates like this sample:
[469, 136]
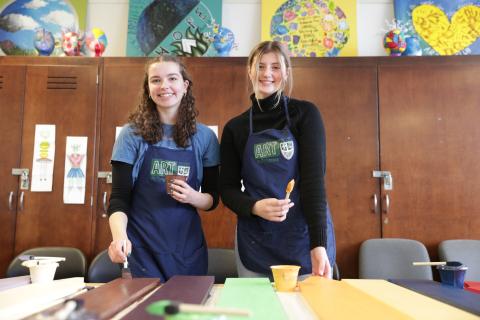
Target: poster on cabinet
[75, 170]
[43, 158]
[312, 28]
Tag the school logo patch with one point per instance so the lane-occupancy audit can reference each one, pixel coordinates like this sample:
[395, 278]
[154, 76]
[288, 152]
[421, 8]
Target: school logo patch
[287, 149]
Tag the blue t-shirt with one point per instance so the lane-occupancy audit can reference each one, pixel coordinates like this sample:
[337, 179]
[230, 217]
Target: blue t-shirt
[130, 148]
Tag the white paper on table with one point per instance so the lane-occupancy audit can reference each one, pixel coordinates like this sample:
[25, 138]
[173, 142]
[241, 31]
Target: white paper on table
[75, 170]
[43, 158]
[215, 129]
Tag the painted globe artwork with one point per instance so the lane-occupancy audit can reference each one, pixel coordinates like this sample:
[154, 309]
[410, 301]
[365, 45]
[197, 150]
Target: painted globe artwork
[223, 41]
[95, 42]
[310, 28]
[44, 42]
[20, 19]
[394, 42]
[71, 43]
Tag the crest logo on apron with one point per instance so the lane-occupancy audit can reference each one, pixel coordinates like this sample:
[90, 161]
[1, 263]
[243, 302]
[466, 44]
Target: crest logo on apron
[287, 149]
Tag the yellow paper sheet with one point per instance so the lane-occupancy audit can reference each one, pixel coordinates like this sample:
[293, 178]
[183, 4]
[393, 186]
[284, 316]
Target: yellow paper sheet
[331, 299]
[414, 304]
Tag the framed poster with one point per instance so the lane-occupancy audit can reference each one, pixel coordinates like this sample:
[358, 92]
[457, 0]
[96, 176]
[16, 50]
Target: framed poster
[183, 28]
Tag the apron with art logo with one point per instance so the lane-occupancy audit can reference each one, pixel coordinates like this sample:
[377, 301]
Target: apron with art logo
[270, 161]
[166, 235]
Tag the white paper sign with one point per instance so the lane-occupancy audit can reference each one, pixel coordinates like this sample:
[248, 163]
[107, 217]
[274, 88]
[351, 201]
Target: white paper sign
[117, 131]
[215, 129]
[43, 158]
[75, 170]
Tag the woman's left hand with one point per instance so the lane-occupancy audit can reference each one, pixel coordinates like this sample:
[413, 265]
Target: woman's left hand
[181, 191]
[320, 263]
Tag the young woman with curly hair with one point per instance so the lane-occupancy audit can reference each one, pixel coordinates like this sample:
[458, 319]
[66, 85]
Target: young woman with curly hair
[160, 160]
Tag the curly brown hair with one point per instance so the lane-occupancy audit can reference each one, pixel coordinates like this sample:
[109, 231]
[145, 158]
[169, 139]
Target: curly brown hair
[146, 119]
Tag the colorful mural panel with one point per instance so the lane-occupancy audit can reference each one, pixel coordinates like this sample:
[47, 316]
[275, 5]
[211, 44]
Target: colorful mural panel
[184, 28]
[312, 28]
[443, 27]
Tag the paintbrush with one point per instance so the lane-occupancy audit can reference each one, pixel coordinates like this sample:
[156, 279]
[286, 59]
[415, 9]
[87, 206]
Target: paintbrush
[289, 188]
[126, 273]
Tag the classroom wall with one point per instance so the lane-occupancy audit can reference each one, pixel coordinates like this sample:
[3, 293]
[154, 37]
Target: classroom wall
[243, 18]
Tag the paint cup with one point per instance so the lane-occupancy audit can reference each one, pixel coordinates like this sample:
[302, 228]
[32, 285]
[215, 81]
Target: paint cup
[41, 271]
[170, 177]
[453, 274]
[285, 277]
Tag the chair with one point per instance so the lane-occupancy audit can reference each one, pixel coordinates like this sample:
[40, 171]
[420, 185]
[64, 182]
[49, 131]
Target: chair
[221, 264]
[102, 269]
[74, 265]
[390, 258]
[464, 251]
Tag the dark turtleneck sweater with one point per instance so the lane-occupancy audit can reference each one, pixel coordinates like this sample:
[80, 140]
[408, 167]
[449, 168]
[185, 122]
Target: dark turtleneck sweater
[307, 126]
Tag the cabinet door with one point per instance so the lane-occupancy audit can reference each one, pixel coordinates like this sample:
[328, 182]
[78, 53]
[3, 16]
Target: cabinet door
[12, 80]
[64, 96]
[346, 95]
[220, 88]
[430, 141]
[121, 83]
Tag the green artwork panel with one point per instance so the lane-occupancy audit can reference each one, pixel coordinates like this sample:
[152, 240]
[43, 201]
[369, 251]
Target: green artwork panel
[183, 28]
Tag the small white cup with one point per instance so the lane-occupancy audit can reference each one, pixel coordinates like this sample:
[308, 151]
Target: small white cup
[41, 271]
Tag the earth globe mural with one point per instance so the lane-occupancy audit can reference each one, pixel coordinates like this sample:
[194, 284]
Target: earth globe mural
[20, 19]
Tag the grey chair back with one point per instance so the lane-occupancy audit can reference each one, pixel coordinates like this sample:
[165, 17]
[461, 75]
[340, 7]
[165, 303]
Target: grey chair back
[464, 251]
[221, 264]
[390, 258]
[102, 269]
[75, 264]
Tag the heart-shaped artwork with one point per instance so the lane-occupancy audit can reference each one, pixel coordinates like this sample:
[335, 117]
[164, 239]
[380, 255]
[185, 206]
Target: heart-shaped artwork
[444, 36]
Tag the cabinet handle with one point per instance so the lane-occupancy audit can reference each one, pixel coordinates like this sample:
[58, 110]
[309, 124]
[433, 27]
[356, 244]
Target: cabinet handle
[104, 214]
[375, 203]
[10, 201]
[21, 200]
[387, 204]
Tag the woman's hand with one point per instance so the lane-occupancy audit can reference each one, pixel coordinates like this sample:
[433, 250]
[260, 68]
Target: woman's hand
[117, 252]
[272, 209]
[320, 263]
[181, 191]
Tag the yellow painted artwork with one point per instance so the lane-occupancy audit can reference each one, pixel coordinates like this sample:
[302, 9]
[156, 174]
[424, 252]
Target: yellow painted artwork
[444, 36]
[312, 28]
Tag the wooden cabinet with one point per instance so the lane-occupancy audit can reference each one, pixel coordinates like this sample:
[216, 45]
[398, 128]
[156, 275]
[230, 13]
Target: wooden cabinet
[430, 140]
[12, 80]
[414, 117]
[63, 95]
[345, 91]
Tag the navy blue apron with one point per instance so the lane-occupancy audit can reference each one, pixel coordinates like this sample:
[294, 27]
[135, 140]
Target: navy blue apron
[270, 161]
[166, 235]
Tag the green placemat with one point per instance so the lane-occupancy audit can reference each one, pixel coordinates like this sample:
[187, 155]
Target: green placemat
[253, 294]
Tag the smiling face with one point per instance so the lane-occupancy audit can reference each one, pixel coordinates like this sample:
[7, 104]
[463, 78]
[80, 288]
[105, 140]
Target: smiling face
[166, 85]
[268, 75]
